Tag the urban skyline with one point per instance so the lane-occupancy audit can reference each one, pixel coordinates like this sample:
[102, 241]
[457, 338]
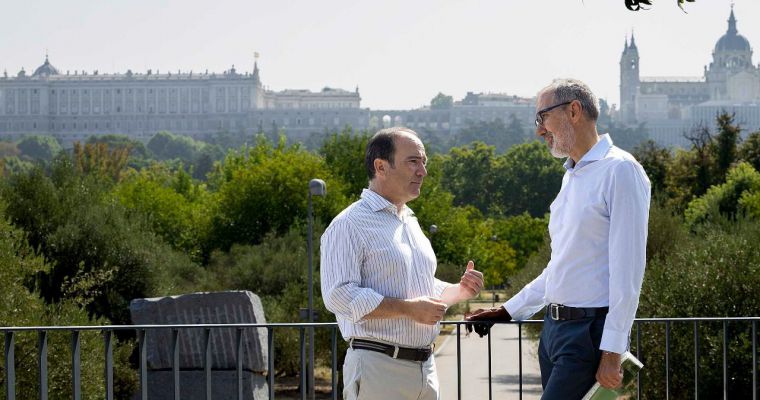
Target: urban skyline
[399, 55]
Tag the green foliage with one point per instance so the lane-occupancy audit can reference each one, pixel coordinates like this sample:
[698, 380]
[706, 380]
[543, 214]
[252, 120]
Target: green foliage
[177, 209]
[749, 150]
[713, 272]
[276, 270]
[655, 160]
[39, 147]
[725, 199]
[527, 178]
[18, 262]
[441, 102]
[344, 153]
[467, 174]
[264, 189]
[135, 147]
[101, 258]
[496, 133]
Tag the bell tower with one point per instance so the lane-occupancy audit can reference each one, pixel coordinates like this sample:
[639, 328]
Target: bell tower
[629, 81]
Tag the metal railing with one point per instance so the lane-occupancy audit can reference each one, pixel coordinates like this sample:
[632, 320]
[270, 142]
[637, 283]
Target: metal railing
[144, 331]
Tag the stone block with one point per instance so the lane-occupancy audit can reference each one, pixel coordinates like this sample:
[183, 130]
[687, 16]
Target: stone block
[203, 308]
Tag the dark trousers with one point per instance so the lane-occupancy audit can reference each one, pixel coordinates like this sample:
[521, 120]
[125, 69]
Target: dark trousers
[569, 355]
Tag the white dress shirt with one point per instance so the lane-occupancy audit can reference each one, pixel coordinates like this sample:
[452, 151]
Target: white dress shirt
[369, 252]
[598, 230]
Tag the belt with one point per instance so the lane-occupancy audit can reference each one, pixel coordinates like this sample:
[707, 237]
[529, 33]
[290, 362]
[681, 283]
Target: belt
[404, 353]
[559, 312]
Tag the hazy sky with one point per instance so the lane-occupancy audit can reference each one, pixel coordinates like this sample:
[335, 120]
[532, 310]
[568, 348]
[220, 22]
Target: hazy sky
[399, 53]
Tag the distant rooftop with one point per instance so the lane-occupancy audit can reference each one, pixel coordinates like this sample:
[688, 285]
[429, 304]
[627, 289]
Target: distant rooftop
[664, 79]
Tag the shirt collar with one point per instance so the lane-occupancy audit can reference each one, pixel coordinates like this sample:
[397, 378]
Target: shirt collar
[596, 153]
[376, 202]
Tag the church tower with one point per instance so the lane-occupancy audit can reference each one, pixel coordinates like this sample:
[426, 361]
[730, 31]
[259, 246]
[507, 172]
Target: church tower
[629, 81]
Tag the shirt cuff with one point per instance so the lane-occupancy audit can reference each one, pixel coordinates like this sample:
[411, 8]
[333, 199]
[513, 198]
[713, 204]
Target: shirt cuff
[616, 342]
[363, 305]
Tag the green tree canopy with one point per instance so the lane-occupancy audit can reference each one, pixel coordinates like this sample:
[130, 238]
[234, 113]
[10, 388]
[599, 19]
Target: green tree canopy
[39, 147]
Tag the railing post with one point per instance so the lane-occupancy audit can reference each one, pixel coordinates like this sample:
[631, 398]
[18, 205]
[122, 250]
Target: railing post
[207, 361]
[270, 360]
[696, 360]
[42, 347]
[459, 363]
[76, 371]
[143, 348]
[303, 364]
[725, 359]
[335, 363]
[175, 364]
[239, 340]
[638, 355]
[520, 357]
[754, 360]
[108, 367]
[667, 359]
[490, 390]
[10, 366]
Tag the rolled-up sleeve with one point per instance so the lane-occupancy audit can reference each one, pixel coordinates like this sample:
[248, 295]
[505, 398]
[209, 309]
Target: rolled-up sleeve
[629, 195]
[340, 272]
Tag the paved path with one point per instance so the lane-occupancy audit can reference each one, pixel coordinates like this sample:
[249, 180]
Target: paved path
[504, 366]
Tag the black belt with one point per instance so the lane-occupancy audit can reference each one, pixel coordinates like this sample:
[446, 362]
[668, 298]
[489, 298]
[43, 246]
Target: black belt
[558, 312]
[404, 353]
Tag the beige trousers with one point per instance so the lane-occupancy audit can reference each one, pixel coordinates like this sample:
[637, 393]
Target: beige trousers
[369, 375]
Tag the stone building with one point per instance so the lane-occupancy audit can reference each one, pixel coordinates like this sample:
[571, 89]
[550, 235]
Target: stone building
[75, 105]
[670, 106]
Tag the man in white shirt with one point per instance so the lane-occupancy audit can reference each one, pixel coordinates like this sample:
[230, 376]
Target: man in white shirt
[598, 228]
[378, 277]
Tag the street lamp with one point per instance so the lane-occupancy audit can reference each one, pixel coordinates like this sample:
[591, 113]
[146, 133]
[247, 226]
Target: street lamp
[317, 187]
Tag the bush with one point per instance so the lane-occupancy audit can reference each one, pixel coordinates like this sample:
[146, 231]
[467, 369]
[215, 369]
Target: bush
[713, 272]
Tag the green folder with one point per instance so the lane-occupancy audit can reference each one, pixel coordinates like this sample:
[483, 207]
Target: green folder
[631, 367]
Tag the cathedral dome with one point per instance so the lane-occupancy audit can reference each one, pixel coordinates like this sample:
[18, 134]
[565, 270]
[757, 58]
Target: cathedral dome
[732, 40]
[732, 43]
[45, 69]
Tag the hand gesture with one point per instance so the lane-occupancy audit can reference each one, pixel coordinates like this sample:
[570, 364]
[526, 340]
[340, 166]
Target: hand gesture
[489, 316]
[426, 310]
[471, 282]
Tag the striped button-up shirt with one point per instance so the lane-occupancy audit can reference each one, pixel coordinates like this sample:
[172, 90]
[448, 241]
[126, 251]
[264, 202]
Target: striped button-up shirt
[370, 251]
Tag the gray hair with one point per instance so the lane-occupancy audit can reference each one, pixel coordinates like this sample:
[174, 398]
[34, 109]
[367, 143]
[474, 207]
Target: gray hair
[573, 89]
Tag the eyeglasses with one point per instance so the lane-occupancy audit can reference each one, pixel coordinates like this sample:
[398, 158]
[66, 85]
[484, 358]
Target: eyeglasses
[540, 118]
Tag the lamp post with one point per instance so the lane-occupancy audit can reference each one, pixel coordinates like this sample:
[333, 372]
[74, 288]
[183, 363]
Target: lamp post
[317, 187]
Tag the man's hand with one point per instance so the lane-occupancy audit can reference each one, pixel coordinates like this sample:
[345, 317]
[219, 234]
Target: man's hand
[471, 282]
[489, 316]
[425, 310]
[609, 374]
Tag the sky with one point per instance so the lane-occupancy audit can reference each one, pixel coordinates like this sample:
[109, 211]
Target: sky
[399, 53]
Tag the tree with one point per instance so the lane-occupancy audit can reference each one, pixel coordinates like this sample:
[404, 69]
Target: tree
[655, 160]
[467, 173]
[264, 189]
[135, 147]
[441, 102]
[39, 147]
[726, 199]
[166, 146]
[495, 133]
[526, 179]
[636, 5]
[749, 150]
[725, 144]
[344, 154]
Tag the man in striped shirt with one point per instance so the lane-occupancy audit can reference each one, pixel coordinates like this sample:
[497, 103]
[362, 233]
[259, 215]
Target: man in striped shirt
[378, 277]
